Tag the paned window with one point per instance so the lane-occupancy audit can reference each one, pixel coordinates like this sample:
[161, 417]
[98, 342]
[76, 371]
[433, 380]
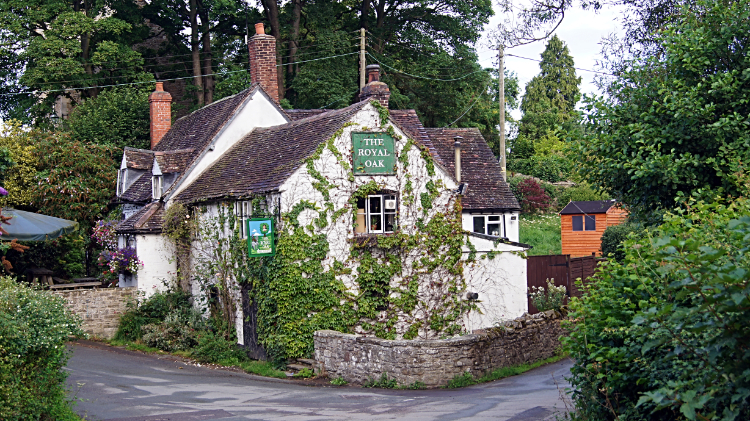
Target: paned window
[488, 225]
[156, 186]
[121, 181]
[584, 222]
[243, 211]
[376, 214]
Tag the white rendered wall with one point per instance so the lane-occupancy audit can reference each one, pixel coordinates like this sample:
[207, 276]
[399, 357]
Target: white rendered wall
[500, 283]
[258, 111]
[157, 254]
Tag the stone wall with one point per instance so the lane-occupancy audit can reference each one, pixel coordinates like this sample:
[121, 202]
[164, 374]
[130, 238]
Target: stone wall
[100, 308]
[434, 362]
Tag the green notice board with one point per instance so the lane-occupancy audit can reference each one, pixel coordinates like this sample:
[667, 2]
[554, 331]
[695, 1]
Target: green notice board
[260, 235]
[373, 153]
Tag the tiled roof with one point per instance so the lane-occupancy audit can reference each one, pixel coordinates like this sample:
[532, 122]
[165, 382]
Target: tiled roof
[139, 191]
[300, 114]
[479, 169]
[408, 121]
[147, 220]
[174, 161]
[197, 129]
[138, 159]
[593, 206]
[266, 157]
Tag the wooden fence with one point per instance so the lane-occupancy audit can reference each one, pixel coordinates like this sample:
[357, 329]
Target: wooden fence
[560, 267]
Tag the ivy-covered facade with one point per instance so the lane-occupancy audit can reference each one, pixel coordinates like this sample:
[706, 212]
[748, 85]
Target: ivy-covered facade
[376, 231]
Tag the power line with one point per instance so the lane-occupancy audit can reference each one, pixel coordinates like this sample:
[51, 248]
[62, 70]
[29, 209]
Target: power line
[163, 80]
[479, 94]
[577, 68]
[424, 77]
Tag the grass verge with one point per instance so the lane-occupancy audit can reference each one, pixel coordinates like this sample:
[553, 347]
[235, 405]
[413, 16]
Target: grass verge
[542, 232]
[467, 379]
[260, 368]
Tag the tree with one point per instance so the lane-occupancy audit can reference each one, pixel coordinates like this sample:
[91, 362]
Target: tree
[68, 48]
[676, 124]
[21, 180]
[117, 117]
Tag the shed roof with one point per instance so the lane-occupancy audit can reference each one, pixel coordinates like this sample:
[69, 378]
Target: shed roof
[587, 207]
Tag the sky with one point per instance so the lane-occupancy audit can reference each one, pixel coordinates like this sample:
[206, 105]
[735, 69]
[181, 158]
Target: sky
[581, 30]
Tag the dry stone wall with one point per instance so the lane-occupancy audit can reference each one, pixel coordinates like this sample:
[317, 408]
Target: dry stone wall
[434, 362]
[100, 308]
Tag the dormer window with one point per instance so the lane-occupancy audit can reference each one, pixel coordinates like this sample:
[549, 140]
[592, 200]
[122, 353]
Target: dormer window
[121, 179]
[156, 183]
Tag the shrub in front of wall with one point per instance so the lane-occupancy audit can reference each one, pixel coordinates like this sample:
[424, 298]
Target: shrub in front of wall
[213, 348]
[34, 326]
[153, 309]
[614, 236]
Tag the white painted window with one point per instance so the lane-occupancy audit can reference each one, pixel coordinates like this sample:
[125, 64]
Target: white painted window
[376, 214]
[121, 177]
[488, 225]
[156, 184]
[242, 211]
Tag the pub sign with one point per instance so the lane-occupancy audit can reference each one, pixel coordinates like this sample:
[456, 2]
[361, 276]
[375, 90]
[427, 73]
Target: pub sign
[260, 237]
[373, 153]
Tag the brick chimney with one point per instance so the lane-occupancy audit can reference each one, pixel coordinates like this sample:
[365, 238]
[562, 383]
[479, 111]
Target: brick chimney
[160, 105]
[375, 89]
[262, 50]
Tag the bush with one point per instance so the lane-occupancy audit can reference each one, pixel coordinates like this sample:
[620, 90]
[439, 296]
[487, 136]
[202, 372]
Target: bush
[552, 299]
[34, 326]
[614, 236]
[154, 309]
[215, 348]
[665, 335]
[551, 168]
[531, 196]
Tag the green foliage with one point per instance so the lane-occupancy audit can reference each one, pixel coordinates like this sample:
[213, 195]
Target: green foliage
[614, 237]
[21, 181]
[552, 168]
[77, 180]
[664, 334]
[339, 381]
[215, 348]
[154, 309]
[675, 123]
[461, 380]
[64, 255]
[35, 326]
[305, 373]
[384, 382]
[261, 368]
[542, 232]
[552, 298]
[117, 117]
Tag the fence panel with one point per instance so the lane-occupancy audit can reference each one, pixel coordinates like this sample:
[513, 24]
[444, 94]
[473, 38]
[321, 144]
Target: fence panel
[562, 268]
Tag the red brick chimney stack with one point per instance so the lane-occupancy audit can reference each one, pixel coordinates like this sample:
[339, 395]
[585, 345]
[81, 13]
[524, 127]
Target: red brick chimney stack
[375, 89]
[160, 105]
[262, 50]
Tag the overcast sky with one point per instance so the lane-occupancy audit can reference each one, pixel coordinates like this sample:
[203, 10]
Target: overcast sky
[581, 30]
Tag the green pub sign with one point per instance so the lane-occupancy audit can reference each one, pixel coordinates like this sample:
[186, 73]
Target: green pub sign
[373, 153]
[260, 237]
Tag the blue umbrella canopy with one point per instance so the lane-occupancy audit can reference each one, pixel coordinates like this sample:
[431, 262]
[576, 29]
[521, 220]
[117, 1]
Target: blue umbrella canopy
[29, 226]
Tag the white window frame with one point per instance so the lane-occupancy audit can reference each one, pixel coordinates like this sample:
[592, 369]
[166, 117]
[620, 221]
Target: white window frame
[156, 185]
[383, 212]
[243, 210]
[121, 177]
[500, 222]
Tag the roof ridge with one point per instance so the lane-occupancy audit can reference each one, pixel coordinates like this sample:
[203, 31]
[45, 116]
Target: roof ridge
[244, 91]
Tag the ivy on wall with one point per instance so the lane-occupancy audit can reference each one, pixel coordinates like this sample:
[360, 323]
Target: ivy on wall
[406, 284]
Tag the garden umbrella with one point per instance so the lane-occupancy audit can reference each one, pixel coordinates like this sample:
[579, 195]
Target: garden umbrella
[29, 226]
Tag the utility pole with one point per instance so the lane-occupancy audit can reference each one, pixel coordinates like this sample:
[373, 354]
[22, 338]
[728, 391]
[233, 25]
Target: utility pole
[361, 58]
[501, 100]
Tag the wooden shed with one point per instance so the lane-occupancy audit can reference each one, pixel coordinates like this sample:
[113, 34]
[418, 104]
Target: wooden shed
[583, 223]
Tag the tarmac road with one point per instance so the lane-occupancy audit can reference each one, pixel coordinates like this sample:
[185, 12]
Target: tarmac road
[114, 384]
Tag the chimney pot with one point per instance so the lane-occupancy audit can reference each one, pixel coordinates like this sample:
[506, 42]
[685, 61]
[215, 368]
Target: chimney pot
[373, 73]
[159, 87]
[260, 29]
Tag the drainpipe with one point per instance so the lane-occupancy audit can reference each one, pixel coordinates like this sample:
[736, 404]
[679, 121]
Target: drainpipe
[457, 149]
